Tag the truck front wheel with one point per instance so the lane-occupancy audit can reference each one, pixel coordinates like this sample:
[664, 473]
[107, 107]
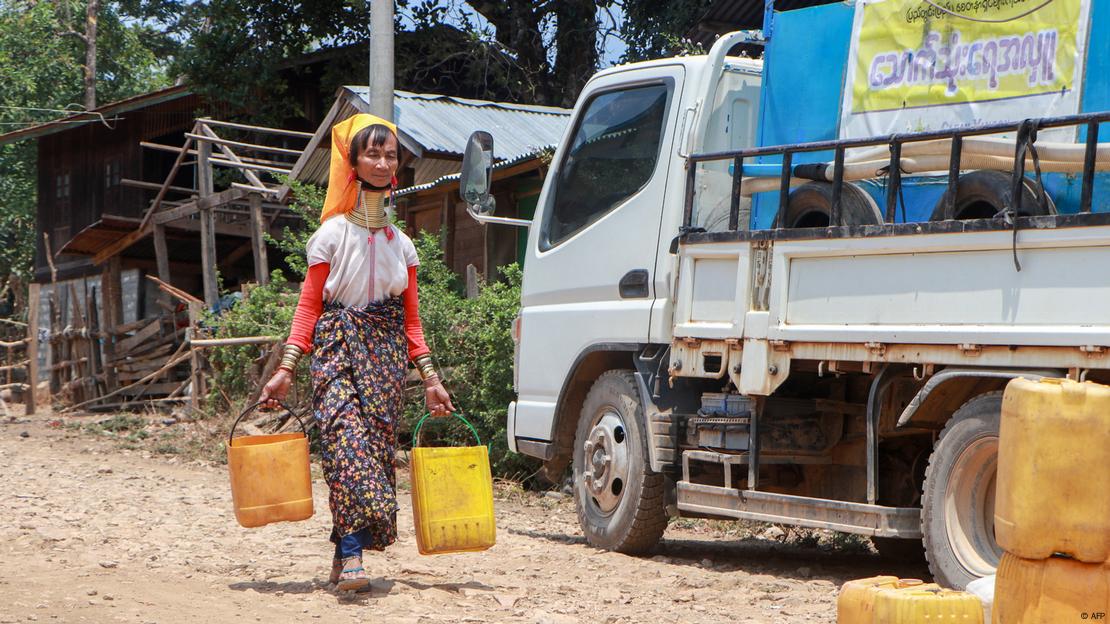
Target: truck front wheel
[620, 501]
[957, 505]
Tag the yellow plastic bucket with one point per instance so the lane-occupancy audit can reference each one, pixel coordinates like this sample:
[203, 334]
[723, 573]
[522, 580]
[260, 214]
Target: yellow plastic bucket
[270, 479]
[452, 496]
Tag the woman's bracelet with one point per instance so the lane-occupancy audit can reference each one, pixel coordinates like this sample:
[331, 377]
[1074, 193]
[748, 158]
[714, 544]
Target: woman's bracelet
[426, 368]
[290, 357]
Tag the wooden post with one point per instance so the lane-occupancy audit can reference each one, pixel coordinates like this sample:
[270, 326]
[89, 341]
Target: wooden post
[258, 242]
[114, 274]
[53, 346]
[208, 256]
[111, 302]
[195, 364]
[78, 356]
[29, 397]
[207, 225]
[161, 255]
[204, 168]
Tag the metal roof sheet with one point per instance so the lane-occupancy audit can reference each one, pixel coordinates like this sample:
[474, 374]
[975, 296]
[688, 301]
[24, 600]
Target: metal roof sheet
[441, 123]
[82, 118]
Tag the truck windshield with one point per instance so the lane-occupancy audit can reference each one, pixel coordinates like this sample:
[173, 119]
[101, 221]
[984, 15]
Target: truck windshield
[611, 157]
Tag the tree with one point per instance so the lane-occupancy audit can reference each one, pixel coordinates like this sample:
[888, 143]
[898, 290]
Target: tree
[657, 29]
[41, 78]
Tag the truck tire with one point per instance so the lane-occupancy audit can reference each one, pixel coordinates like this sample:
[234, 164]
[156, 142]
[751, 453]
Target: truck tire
[810, 205]
[957, 505]
[983, 194]
[620, 501]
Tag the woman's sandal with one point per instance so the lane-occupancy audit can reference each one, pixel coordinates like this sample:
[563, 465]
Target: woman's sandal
[352, 577]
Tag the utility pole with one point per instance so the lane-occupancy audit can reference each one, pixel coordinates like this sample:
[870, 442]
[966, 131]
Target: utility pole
[381, 58]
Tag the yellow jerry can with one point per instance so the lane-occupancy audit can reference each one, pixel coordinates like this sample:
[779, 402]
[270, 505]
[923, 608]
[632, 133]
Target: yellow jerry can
[270, 477]
[926, 604]
[1050, 591]
[452, 496]
[1053, 491]
[856, 603]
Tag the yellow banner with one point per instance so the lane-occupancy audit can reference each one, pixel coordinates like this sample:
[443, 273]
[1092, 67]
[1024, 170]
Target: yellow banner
[910, 54]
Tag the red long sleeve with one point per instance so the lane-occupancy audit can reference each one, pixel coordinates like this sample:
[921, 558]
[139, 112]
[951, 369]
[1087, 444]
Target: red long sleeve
[414, 332]
[309, 307]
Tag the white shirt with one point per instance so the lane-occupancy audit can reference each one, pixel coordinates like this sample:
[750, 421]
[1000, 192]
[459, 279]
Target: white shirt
[358, 260]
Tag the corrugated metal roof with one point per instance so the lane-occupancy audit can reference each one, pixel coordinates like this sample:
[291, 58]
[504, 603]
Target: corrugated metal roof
[79, 119]
[441, 123]
[504, 164]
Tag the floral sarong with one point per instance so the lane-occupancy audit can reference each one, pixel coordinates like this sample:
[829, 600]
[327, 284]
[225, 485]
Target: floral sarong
[358, 368]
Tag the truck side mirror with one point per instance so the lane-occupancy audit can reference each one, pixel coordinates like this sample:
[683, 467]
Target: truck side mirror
[477, 173]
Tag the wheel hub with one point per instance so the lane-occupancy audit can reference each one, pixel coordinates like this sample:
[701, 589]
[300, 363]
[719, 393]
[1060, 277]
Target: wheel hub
[606, 462]
[969, 507]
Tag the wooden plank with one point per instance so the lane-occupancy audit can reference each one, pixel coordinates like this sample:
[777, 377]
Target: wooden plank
[176, 292]
[152, 186]
[152, 389]
[259, 189]
[230, 342]
[228, 124]
[208, 257]
[127, 328]
[146, 333]
[212, 138]
[32, 347]
[258, 242]
[243, 165]
[193, 207]
[159, 352]
[121, 244]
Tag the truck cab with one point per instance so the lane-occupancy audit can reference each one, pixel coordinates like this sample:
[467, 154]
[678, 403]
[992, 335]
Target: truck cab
[738, 304]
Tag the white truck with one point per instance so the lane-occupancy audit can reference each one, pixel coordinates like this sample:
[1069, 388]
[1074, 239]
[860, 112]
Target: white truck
[719, 323]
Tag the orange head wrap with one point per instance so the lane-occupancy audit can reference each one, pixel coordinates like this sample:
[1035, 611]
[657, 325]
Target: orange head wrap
[342, 182]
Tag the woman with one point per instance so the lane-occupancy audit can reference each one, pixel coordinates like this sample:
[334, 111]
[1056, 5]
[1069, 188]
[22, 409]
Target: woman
[359, 299]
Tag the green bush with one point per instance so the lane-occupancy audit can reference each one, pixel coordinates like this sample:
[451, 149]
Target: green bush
[470, 341]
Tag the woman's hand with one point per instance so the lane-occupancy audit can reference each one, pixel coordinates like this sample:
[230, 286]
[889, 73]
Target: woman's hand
[437, 400]
[276, 389]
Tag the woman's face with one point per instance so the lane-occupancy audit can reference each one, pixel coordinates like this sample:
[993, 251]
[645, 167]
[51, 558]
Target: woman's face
[377, 163]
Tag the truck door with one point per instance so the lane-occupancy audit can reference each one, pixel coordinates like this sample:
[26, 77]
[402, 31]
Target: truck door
[588, 277]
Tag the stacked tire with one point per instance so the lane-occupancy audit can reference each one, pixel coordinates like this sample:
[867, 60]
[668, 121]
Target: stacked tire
[1052, 513]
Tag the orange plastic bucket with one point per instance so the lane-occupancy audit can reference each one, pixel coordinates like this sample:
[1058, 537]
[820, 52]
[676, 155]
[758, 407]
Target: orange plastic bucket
[270, 478]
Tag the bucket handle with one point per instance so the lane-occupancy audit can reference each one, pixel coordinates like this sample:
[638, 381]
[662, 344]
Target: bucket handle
[420, 423]
[251, 408]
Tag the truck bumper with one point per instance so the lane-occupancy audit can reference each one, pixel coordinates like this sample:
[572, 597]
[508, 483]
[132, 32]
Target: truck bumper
[510, 427]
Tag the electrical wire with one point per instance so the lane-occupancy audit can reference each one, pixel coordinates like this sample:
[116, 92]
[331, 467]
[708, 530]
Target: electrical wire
[987, 21]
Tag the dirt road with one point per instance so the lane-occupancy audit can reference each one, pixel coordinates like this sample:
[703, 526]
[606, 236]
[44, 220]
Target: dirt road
[91, 532]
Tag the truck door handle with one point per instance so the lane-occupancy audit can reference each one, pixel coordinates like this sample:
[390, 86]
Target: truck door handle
[634, 284]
